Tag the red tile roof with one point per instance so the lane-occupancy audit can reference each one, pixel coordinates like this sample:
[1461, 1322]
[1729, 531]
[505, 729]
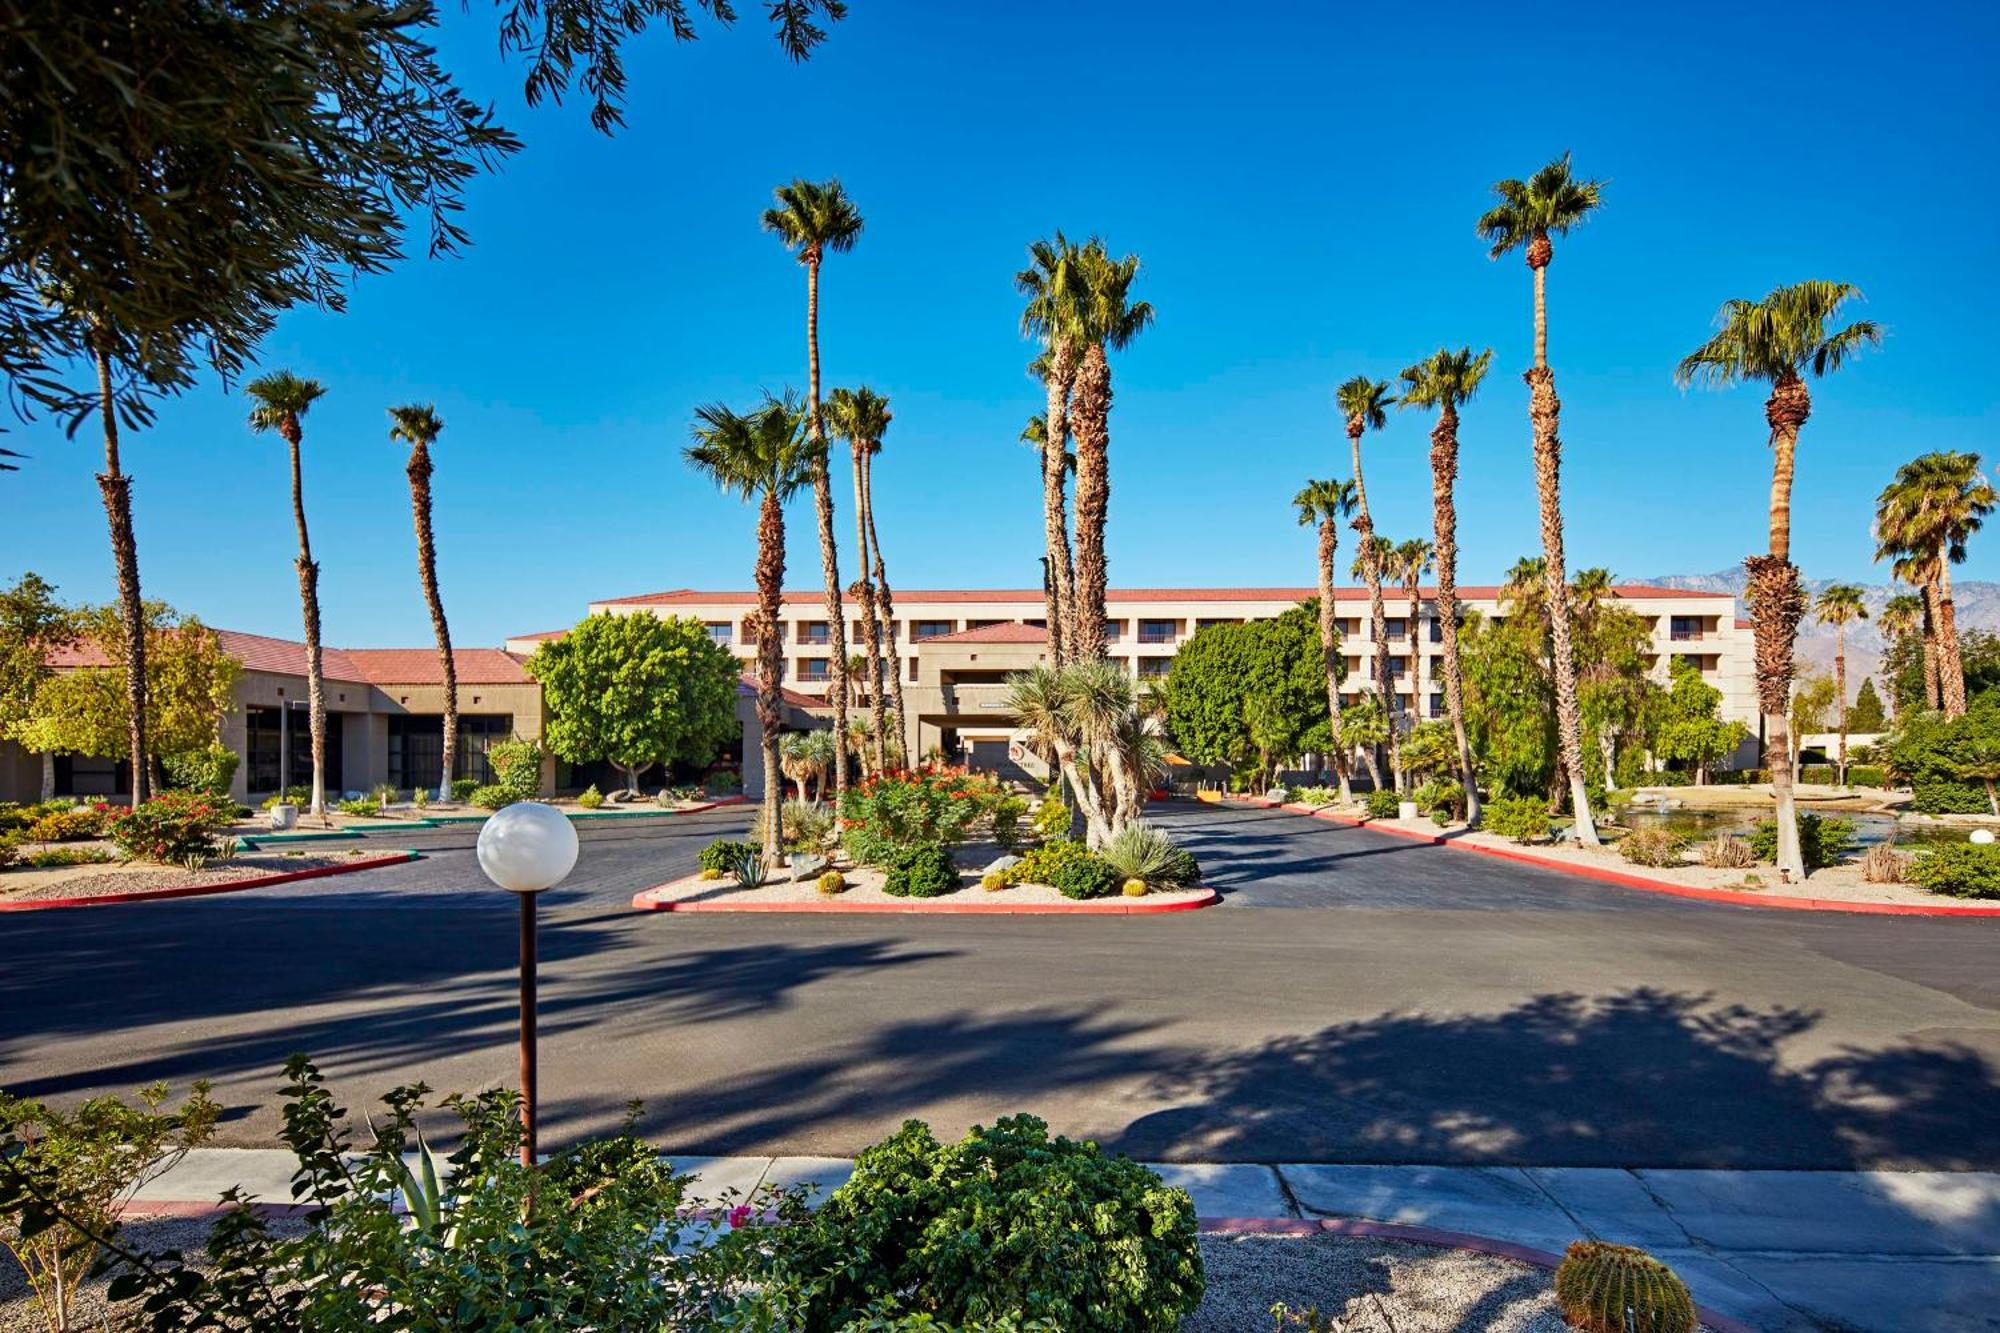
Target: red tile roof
[747, 684]
[1350, 593]
[1009, 632]
[358, 666]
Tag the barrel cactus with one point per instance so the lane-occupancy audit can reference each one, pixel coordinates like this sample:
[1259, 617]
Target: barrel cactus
[1606, 1288]
[832, 882]
[1135, 888]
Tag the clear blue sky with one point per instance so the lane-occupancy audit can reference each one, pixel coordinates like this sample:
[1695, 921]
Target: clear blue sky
[1301, 180]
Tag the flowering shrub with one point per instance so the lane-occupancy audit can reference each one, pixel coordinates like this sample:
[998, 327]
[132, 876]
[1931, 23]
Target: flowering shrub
[69, 825]
[901, 808]
[175, 828]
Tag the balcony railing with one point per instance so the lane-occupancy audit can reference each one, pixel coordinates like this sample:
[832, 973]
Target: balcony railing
[1156, 634]
[1684, 635]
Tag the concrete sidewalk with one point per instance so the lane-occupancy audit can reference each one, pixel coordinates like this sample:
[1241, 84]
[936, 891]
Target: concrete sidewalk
[1781, 1250]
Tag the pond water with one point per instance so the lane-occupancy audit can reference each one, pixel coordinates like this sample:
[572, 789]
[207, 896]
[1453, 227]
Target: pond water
[1868, 829]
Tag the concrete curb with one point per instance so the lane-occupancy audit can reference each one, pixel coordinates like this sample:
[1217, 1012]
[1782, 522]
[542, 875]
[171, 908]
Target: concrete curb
[1628, 881]
[644, 901]
[1414, 1235]
[207, 890]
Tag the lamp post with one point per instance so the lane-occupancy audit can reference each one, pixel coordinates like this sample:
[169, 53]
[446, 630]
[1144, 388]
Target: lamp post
[525, 848]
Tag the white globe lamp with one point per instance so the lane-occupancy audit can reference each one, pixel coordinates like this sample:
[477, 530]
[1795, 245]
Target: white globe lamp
[525, 848]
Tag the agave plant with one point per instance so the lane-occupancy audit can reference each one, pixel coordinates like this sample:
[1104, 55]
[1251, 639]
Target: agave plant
[750, 870]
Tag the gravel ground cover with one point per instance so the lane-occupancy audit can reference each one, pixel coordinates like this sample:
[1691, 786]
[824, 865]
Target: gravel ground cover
[136, 876]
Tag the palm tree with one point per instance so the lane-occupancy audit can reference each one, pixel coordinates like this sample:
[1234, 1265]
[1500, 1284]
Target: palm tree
[282, 400]
[1527, 215]
[1365, 725]
[1926, 514]
[1410, 561]
[1444, 380]
[1780, 339]
[814, 218]
[1900, 617]
[1364, 405]
[1044, 704]
[116, 488]
[1107, 320]
[1323, 504]
[1052, 315]
[861, 417]
[418, 425]
[1840, 605]
[761, 455]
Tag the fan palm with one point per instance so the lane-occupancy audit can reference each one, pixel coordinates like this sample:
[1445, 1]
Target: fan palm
[1840, 605]
[282, 400]
[1936, 503]
[1409, 561]
[1321, 505]
[861, 417]
[1364, 407]
[418, 425]
[762, 455]
[1052, 314]
[1365, 725]
[813, 219]
[1780, 339]
[1444, 380]
[1901, 616]
[1527, 215]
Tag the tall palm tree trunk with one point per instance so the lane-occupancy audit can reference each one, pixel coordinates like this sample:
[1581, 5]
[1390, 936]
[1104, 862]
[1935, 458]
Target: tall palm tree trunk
[829, 555]
[1329, 643]
[770, 662]
[117, 490]
[1544, 414]
[1090, 408]
[309, 604]
[1055, 507]
[419, 472]
[1371, 571]
[1416, 648]
[1933, 694]
[1951, 662]
[1840, 695]
[864, 588]
[1444, 477]
[1778, 603]
[886, 611]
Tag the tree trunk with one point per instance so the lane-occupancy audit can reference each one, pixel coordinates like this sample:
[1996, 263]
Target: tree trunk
[1374, 772]
[1840, 697]
[886, 612]
[1329, 642]
[48, 776]
[1444, 476]
[309, 603]
[770, 662]
[871, 628]
[829, 555]
[1416, 652]
[1933, 693]
[1544, 413]
[1090, 407]
[1055, 507]
[117, 490]
[419, 472]
[1951, 662]
[1777, 604]
[1371, 571]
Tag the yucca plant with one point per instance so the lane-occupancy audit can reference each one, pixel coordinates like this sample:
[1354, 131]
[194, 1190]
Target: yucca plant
[1143, 852]
[1606, 1288]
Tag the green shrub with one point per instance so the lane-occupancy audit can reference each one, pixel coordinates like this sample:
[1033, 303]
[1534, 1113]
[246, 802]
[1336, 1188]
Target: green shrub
[1605, 1288]
[723, 782]
[1521, 818]
[462, 789]
[1005, 1225]
[10, 848]
[1039, 864]
[209, 770]
[1315, 796]
[1052, 819]
[1382, 804]
[1443, 799]
[1141, 851]
[1867, 775]
[1958, 869]
[921, 870]
[1824, 840]
[69, 825]
[361, 807]
[1007, 811]
[289, 796]
[1086, 876]
[591, 797]
[58, 858]
[420, 797]
[1655, 847]
[175, 828]
[1630, 770]
[722, 855]
[517, 767]
[490, 796]
[1948, 796]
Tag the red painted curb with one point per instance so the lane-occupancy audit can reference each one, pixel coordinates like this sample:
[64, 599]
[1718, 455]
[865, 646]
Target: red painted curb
[206, 890]
[643, 902]
[1732, 897]
[1418, 1235]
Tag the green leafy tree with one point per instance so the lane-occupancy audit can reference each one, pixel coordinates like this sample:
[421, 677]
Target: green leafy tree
[1688, 727]
[1273, 670]
[1813, 701]
[33, 626]
[1867, 717]
[1780, 339]
[1509, 701]
[636, 691]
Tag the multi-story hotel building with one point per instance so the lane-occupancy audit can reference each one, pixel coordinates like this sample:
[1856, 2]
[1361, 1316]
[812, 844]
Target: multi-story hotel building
[956, 647]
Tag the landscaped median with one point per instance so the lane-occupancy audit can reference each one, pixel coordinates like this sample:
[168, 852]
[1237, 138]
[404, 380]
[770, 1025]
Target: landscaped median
[863, 893]
[137, 882]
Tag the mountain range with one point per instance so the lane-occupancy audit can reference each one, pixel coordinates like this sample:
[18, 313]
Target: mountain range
[1978, 606]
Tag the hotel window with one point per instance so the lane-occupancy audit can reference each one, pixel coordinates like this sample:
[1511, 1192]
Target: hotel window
[1394, 628]
[931, 629]
[814, 632]
[1158, 631]
[1684, 629]
[721, 631]
[815, 670]
[1151, 668]
[913, 669]
[1437, 630]
[750, 632]
[1437, 705]
[1114, 631]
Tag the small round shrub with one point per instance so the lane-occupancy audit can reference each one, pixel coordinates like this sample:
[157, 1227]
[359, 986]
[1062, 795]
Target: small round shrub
[1038, 864]
[1958, 870]
[1135, 888]
[1656, 847]
[1443, 799]
[1382, 804]
[591, 797]
[994, 880]
[9, 849]
[1824, 840]
[921, 870]
[832, 882]
[76, 825]
[462, 789]
[1086, 876]
[1521, 818]
[722, 855]
[710, 872]
[490, 796]
[1051, 819]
